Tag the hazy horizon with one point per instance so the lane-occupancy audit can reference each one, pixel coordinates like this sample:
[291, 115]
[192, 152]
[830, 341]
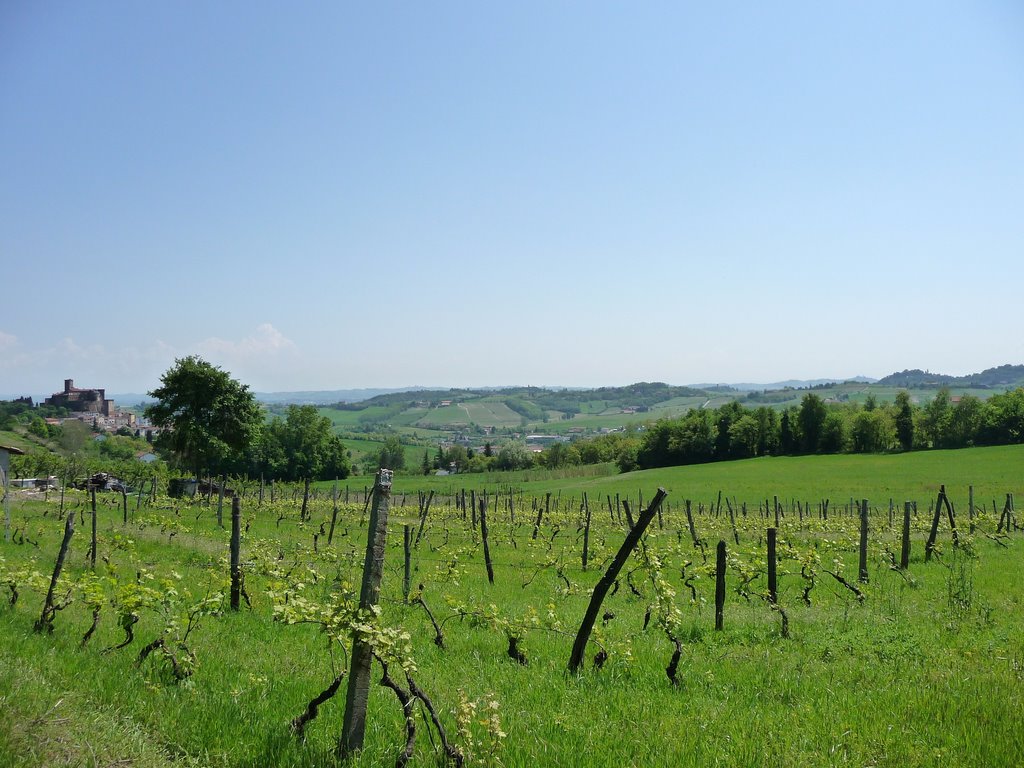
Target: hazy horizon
[114, 392]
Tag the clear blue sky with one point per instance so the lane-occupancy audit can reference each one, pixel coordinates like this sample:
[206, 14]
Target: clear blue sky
[333, 195]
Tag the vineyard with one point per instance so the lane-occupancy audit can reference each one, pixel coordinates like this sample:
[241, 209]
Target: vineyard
[729, 627]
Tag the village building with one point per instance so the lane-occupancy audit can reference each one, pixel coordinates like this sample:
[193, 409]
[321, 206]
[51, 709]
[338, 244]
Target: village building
[94, 408]
[82, 400]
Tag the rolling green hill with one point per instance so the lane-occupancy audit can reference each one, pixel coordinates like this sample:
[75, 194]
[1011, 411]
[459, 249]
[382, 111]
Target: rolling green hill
[425, 417]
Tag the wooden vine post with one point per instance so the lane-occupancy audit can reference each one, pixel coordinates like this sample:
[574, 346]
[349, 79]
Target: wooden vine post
[354, 725]
[905, 550]
[407, 576]
[773, 565]
[5, 476]
[483, 534]
[970, 508]
[334, 514]
[92, 548]
[236, 540]
[424, 510]
[941, 502]
[720, 586]
[693, 529]
[586, 531]
[579, 647]
[629, 514]
[540, 515]
[220, 503]
[45, 622]
[863, 571]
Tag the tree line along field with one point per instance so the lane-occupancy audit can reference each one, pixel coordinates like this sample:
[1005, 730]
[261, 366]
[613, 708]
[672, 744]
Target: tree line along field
[922, 667]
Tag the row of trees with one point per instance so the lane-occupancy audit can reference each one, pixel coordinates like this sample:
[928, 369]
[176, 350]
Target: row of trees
[511, 456]
[212, 425]
[734, 432]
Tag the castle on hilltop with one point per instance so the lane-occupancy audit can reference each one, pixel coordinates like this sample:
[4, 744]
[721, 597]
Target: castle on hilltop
[81, 400]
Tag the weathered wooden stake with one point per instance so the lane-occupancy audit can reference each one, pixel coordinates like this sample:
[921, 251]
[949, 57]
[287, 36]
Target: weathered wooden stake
[905, 550]
[304, 512]
[773, 565]
[45, 621]
[354, 725]
[220, 502]
[863, 577]
[629, 514]
[236, 546]
[92, 550]
[483, 534]
[605, 583]
[930, 544]
[424, 510]
[586, 531]
[970, 507]
[540, 515]
[693, 530]
[720, 586]
[407, 578]
[334, 515]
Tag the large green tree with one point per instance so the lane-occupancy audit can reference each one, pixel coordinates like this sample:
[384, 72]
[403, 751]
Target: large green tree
[937, 419]
[872, 431]
[307, 448]
[392, 455]
[904, 420]
[514, 455]
[208, 418]
[835, 432]
[811, 418]
[303, 446]
[1003, 418]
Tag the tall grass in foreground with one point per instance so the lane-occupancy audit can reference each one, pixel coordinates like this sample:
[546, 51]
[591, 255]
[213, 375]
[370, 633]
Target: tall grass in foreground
[927, 670]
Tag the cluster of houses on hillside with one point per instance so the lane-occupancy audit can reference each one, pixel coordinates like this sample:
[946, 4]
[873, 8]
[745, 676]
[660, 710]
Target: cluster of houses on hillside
[92, 406]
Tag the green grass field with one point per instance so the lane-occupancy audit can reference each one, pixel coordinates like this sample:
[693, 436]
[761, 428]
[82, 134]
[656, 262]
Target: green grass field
[926, 670]
[483, 412]
[15, 440]
[912, 476]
